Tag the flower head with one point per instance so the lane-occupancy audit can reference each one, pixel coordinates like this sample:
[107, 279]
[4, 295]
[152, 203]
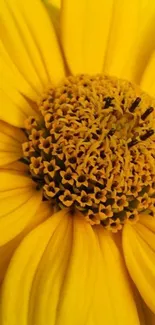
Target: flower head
[111, 136]
[77, 162]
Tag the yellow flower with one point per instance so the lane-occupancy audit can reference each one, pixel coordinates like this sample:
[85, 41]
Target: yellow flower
[77, 162]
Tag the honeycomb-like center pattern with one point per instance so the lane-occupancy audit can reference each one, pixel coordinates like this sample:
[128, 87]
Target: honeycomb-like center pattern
[93, 149]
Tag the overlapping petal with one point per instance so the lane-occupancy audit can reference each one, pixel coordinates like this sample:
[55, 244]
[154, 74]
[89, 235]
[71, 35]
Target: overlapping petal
[49, 260]
[139, 252]
[85, 30]
[21, 210]
[53, 7]
[149, 316]
[32, 48]
[11, 139]
[138, 56]
[148, 79]
[122, 38]
[145, 314]
[70, 275]
[114, 296]
[65, 271]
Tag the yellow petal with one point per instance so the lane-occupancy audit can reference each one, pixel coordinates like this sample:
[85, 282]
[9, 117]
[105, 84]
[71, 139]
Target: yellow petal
[56, 265]
[138, 245]
[85, 30]
[33, 38]
[27, 259]
[55, 3]
[148, 79]
[53, 7]
[145, 315]
[14, 106]
[11, 113]
[148, 235]
[147, 222]
[149, 316]
[6, 251]
[31, 46]
[17, 166]
[10, 72]
[11, 139]
[144, 44]
[33, 248]
[123, 36]
[21, 210]
[19, 201]
[114, 290]
[66, 276]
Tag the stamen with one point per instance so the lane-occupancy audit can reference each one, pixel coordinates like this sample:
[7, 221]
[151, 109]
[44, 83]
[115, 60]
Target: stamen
[134, 104]
[132, 143]
[111, 132]
[147, 113]
[93, 149]
[108, 102]
[148, 134]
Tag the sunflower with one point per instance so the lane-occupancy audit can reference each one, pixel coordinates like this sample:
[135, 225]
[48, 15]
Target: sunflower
[77, 157]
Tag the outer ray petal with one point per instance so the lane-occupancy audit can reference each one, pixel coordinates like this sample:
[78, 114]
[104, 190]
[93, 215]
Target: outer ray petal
[33, 51]
[149, 316]
[148, 79]
[114, 291]
[36, 42]
[85, 29]
[67, 279]
[148, 222]
[139, 252]
[11, 139]
[21, 210]
[145, 315]
[6, 251]
[64, 278]
[56, 3]
[9, 70]
[53, 8]
[15, 108]
[144, 44]
[32, 247]
[123, 36]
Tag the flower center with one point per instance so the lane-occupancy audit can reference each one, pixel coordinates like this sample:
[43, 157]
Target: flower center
[93, 149]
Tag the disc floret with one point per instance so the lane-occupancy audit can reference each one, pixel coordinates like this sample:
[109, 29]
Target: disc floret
[93, 149]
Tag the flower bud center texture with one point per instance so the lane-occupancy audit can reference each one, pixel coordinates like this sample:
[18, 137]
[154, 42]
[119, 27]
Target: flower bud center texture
[93, 149]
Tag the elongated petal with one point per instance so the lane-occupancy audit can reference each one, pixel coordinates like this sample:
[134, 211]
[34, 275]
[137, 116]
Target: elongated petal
[123, 36]
[10, 72]
[19, 201]
[55, 3]
[139, 252]
[10, 112]
[49, 259]
[6, 250]
[53, 8]
[148, 79]
[26, 261]
[85, 30]
[148, 222]
[21, 210]
[115, 297]
[149, 316]
[33, 50]
[145, 315]
[68, 280]
[144, 45]
[11, 139]
[64, 273]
